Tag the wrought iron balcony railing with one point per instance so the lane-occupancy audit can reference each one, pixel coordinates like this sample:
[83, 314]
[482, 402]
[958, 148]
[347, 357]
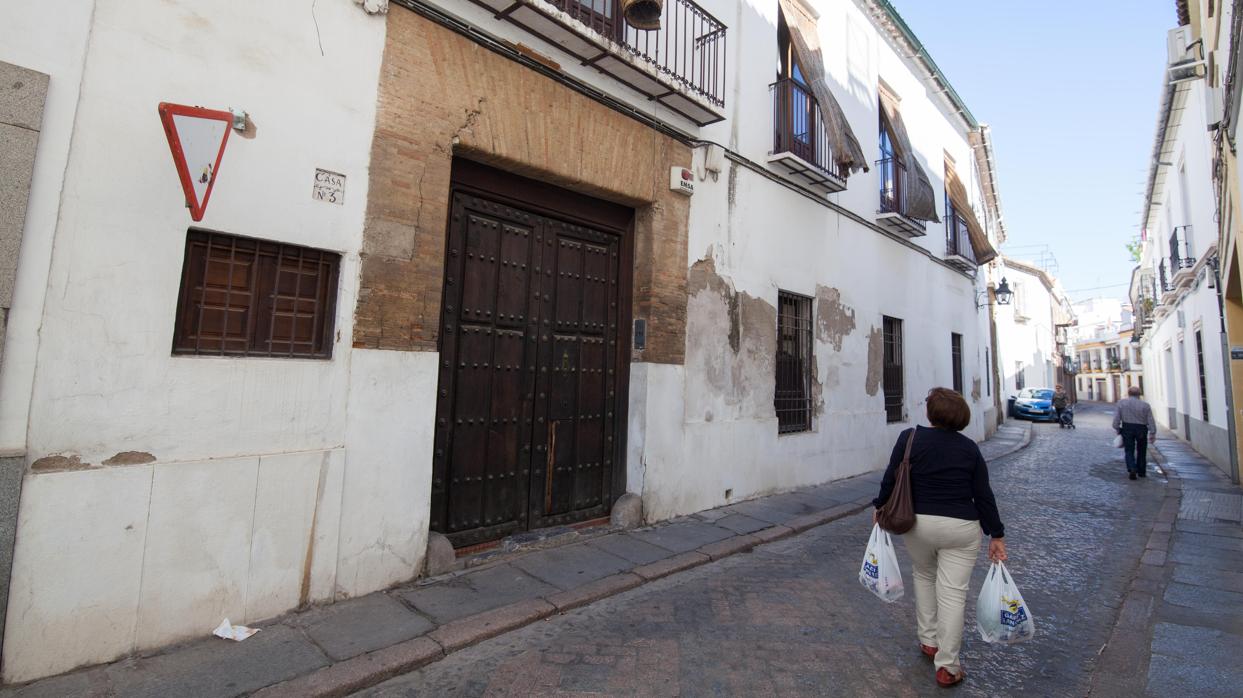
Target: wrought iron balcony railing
[689, 47]
[892, 185]
[957, 240]
[1180, 249]
[799, 128]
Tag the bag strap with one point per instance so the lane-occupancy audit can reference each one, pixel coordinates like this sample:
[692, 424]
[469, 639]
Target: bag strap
[906, 457]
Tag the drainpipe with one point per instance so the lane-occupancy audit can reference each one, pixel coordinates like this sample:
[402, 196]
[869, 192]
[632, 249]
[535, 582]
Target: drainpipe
[1227, 373]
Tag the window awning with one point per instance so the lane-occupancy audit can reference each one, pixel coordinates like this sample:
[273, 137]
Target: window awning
[806, 40]
[983, 249]
[921, 198]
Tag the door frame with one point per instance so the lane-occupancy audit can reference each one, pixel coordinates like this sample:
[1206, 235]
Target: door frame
[478, 179]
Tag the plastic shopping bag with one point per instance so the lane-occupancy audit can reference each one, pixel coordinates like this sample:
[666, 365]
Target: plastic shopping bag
[1001, 615]
[1118, 441]
[880, 573]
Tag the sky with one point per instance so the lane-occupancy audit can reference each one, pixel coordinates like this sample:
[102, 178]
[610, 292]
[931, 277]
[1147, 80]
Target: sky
[1070, 91]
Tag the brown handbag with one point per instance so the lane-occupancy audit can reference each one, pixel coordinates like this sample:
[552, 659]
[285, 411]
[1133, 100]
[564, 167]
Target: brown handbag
[898, 514]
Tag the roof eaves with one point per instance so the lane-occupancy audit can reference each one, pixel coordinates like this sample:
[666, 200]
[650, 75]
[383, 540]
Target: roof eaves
[904, 33]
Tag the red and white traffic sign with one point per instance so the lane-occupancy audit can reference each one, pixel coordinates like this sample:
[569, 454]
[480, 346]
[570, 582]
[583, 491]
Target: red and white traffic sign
[197, 138]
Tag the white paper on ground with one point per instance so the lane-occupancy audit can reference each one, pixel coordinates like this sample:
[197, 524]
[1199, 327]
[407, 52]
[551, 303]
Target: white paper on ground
[233, 632]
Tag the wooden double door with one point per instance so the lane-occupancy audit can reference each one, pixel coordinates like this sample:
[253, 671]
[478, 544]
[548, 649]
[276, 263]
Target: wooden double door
[531, 388]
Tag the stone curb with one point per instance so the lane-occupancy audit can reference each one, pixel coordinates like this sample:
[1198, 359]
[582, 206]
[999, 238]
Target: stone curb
[364, 671]
[357, 673]
[1022, 444]
[474, 629]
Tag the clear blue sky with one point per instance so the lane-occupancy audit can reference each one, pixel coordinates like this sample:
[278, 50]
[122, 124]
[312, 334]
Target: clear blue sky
[1070, 90]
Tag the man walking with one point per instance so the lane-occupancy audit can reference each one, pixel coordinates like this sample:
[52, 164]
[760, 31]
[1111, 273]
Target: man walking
[1059, 403]
[1133, 420]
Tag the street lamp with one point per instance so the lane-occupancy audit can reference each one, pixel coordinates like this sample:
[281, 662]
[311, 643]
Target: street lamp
[1002, 293]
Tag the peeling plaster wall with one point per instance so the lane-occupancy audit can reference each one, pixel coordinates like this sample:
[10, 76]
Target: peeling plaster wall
[750, 238]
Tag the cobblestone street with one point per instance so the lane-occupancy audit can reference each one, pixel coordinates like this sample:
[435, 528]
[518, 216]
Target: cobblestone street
[791, 619]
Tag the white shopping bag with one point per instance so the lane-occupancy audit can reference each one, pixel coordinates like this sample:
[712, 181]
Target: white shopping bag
[1118, 441]
[1001, 615]
[880, 573]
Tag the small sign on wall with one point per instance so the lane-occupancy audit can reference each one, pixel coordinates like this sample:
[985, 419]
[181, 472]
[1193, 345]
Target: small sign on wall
[329, 186]
[1236, 353]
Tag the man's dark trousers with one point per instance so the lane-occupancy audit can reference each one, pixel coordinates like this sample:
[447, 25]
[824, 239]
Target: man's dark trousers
[1135, 445]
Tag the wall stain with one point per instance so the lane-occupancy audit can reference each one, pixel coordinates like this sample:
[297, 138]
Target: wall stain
[130, 458]
[834, 320]
[732, 338]
[58, 463]
[876, 360]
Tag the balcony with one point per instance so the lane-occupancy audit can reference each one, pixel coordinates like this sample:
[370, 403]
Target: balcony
[681, 65]
[893, 189]
[800, 140]
[958, 250]
[1181, 261]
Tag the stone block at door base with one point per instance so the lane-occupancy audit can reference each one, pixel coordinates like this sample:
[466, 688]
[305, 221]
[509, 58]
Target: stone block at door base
[441, 558]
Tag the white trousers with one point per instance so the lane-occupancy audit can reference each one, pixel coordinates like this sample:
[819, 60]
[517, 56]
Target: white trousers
[943, 552]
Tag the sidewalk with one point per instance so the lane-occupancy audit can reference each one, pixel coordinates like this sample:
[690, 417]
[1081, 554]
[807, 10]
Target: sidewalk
[1180, 628]
[344, 647]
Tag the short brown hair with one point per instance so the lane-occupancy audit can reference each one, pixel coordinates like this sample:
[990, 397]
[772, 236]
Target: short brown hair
[948, 409]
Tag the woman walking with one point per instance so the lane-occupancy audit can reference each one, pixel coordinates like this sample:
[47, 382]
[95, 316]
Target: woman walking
[952, 498]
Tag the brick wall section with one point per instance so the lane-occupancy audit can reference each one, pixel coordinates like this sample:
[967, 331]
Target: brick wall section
[441, 95]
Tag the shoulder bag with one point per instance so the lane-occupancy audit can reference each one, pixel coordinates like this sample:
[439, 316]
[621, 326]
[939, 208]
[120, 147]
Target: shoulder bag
[898, 514]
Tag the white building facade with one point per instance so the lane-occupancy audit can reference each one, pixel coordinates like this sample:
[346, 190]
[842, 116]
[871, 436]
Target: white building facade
[1033, 330]
[1174, 289]
[185, 456]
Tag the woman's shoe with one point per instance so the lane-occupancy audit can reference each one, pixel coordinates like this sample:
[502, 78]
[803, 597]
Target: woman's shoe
[929, 652]
[945, 679]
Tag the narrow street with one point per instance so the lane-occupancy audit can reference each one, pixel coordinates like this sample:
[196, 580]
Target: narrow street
[791, 619]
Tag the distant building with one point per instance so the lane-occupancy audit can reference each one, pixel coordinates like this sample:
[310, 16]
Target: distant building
[1108, 364]
[1033, 330]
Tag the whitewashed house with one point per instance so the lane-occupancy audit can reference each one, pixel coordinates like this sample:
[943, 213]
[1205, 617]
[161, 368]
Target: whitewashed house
[1033, 330]
[1174, 289]
[459, 303]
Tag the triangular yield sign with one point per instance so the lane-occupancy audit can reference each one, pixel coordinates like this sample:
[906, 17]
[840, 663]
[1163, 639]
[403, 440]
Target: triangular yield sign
[197, 138]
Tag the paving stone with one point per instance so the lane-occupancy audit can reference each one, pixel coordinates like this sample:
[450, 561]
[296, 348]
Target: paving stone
[93, 683]
[773, 533]
[1201, 645]
[1205, 599]
[760, 509]
[476, 592]
[1156, 558]
[472, 629]
[344, 678]
[683, 537]
[669, 566]
[628, 547]
[1199, 540]
[741, 524]
[349, 628]
[1209, 577]
[218, 667]
[1136, 610]
[1189, 555]
[1168, 676]
[594, 591]
[729, 546]
[1212, 529]
[823, 498]
[571, 566]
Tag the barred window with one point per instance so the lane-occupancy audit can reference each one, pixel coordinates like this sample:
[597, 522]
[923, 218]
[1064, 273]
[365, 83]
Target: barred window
[895, 393]
[956, 357]
[246, 297]
[793, 395]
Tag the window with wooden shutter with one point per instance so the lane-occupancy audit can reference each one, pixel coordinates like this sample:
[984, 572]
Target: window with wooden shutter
[247, 297]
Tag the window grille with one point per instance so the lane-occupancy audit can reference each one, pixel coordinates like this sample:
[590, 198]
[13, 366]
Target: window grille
[956, 355]
[1203, 382]
[793, 394]
[246, 297]
[892, 372]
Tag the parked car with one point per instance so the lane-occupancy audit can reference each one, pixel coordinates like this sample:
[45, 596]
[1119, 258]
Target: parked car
[1035, 404]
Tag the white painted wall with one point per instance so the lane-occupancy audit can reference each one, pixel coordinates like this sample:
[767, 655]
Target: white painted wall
[1171, 369]
[763, 237]
[1026, 333]
[257, 462]
[53, 43]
